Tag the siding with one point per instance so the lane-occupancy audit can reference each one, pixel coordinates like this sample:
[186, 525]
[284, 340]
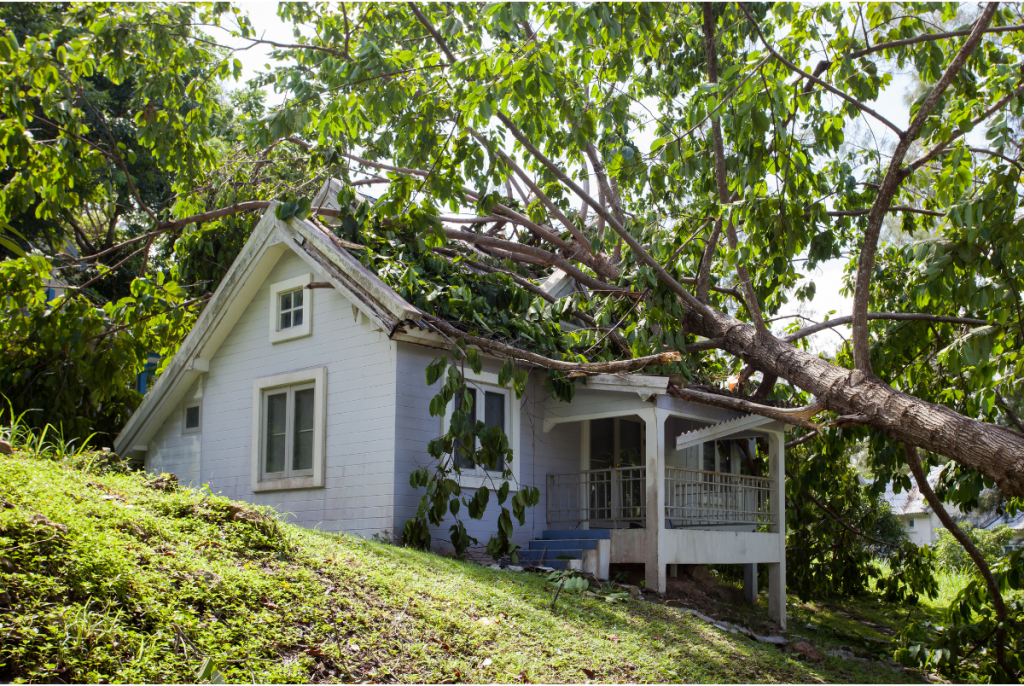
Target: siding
[175, 453]
[540, 453]
[358, 496]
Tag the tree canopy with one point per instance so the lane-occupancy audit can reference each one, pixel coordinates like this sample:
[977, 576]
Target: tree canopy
[502, 141]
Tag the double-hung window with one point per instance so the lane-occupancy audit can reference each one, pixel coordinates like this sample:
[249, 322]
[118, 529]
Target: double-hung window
[291, 308]
[494, 406]
[288, 430]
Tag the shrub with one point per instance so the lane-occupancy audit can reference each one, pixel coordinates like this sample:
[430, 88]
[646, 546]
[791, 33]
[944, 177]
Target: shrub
[990, 543]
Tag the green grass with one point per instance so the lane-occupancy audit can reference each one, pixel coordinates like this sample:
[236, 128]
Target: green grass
[147, 585]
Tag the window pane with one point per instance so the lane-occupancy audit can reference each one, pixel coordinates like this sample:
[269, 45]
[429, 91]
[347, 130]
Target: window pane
[296, 299]
[297, 317]
[286, 301]
[277, 409]
[192, 417]
[602, 443]
[286, 320]
[725, 456]
[494, 415]
[303, 448]
[630, 439]
[460, 458]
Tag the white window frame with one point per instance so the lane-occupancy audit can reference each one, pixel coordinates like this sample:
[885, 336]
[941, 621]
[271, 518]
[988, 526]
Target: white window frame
[185, 430]
[910, 523]
[278, 289]
[295, 381]
[480, 477]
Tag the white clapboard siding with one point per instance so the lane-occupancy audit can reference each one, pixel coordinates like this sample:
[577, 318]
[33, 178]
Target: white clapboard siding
[360, 438]
[173, 452]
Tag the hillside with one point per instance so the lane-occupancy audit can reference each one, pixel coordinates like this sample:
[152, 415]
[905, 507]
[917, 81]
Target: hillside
[107, 577]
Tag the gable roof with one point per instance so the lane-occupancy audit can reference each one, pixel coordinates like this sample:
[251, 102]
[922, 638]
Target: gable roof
[911, 502]
[271, 237]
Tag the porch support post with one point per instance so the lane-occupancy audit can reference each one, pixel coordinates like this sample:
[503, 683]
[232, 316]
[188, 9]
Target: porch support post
[777, 571]
[750, 583]
[654, 564]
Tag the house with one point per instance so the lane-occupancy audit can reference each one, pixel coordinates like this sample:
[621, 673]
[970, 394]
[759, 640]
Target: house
[1015, 522]
[302, 387]
[921, 522]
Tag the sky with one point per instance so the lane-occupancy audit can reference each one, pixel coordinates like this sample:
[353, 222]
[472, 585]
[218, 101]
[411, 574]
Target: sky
[827, 277]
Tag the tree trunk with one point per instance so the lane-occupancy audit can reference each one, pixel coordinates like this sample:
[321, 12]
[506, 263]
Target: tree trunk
[993, 450]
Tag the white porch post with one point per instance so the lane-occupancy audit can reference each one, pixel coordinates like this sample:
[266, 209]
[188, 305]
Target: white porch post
[777, 571]
[654, 567]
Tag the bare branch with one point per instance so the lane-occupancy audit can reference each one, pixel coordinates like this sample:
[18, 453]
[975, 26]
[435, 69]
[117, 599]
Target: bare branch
[893, 316]
[731, 403]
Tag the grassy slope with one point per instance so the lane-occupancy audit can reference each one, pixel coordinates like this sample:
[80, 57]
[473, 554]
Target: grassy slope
[145, 583]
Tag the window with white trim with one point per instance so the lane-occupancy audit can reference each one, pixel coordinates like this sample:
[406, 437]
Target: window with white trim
[192, 418]
[288, 430]
[494, 406]
[291, 308]
[910, 523]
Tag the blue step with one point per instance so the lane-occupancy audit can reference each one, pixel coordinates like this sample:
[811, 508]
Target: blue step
[577, 534]
[550, 558]
[564, 544]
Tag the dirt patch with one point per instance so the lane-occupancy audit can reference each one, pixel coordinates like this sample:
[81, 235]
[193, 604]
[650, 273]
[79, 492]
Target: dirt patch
[696, 588]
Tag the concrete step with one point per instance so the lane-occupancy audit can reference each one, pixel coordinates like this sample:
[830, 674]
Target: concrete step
[564, 544]
[577, 534]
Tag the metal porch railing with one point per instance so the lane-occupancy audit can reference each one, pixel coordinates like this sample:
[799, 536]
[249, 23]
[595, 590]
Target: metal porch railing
[617, 498]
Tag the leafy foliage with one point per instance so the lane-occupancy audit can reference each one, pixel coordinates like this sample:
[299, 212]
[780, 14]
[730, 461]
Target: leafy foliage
[832, 544]
[951, 554]
[69, 363]
[965, 647]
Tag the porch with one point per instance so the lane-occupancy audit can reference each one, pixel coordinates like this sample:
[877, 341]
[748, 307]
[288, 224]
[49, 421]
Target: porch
[665, 482]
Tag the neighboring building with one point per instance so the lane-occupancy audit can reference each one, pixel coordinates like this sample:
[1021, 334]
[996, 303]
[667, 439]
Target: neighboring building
[302, 386]
[1016, 524]
[920, 521]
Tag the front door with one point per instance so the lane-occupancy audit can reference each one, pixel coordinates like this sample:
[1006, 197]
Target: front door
[618, 448]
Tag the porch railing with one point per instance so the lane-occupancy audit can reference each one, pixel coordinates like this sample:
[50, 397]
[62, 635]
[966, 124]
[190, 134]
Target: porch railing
[608, 498]
[617, 498]
[698, 498]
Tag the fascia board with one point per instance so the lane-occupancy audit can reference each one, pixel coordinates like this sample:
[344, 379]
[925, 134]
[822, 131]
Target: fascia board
[209, 331]
[360, 277]
[628, 382]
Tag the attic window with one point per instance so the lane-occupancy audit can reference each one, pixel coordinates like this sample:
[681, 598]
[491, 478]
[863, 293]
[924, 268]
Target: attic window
[291, 309]
[192, 421]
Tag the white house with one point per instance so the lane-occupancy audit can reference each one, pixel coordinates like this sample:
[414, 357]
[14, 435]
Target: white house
[921, 522]
[302, 386]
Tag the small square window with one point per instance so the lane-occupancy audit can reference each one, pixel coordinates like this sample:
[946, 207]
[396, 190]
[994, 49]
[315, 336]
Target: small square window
[910, 524]
[192, 421]
[290, 309]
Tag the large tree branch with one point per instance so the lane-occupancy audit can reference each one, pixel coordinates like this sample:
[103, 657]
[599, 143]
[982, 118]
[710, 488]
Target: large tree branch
[894, 175]
[540, 256]
[940, 511]
[995, 451]
[504, 350]
[642, 255]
